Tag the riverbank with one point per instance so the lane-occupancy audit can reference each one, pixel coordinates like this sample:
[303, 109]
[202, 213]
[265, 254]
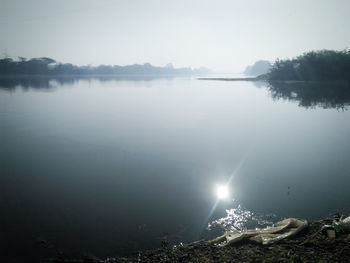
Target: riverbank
[310, 245]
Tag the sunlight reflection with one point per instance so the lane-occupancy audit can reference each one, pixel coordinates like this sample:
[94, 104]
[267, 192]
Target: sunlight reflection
[239, 219]
[222, 191]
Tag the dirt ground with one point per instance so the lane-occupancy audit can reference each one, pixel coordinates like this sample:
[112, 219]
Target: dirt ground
[310, 245]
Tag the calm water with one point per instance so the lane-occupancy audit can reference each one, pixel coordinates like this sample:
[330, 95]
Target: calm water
[109, 166]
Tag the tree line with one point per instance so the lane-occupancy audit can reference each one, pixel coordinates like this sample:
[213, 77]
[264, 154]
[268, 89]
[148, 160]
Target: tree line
[48, 66]
[324, 65]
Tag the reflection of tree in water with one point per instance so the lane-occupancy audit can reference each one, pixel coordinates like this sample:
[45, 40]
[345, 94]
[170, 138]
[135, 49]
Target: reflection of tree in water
[313, 94]
[259, 84]
[49, 83]
[308, 94]
[26, 83]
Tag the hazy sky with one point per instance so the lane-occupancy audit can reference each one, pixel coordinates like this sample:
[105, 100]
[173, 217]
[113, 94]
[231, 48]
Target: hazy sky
[222, 35]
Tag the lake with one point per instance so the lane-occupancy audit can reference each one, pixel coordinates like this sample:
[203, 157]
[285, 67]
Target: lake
[109, 166]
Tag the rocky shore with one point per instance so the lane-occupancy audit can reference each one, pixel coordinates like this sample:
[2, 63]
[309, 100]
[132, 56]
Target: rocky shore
[310, 245]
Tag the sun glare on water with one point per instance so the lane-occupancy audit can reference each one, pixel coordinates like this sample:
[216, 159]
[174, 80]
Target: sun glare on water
[222, 192]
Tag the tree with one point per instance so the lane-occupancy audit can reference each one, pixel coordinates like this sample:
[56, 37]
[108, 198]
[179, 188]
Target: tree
[324, 65]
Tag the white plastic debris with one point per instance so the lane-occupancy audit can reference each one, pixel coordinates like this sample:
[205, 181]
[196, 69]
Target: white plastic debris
[281, 230]
[345, 223]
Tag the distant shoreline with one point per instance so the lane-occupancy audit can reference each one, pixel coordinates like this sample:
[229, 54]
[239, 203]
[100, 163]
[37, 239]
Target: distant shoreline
[89, 75]
[233, 79]
[261, 78]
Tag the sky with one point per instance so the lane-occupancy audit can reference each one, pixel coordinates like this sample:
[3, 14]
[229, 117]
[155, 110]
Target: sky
[224, 35]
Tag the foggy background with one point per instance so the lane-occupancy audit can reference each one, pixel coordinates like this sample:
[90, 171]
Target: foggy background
[109, 164]
[222, 35]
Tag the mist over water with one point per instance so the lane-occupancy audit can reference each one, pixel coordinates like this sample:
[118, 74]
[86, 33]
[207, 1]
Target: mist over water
[109, 166]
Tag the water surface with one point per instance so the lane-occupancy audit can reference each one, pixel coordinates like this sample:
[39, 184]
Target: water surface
[108, 166]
